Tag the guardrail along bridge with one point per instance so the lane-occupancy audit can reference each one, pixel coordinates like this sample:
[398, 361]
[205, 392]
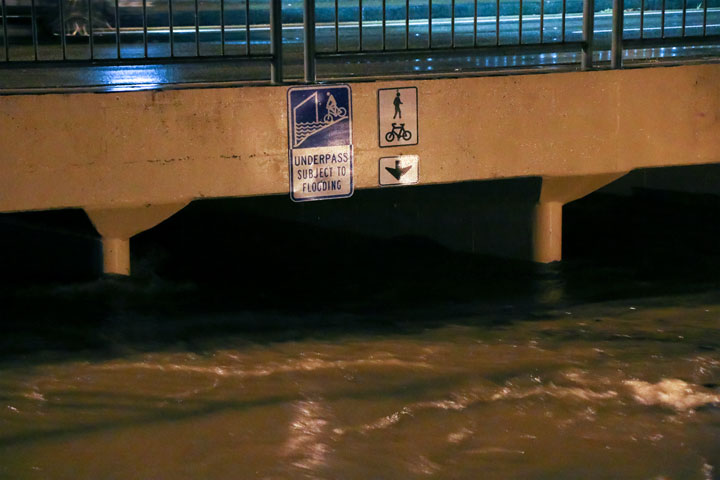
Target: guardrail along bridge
[231, 98]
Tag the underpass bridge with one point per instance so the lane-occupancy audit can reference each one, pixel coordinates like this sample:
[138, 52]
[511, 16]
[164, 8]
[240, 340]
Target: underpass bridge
[132, 109]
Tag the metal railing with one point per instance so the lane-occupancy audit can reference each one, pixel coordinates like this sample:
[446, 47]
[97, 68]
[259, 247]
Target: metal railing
[140, 41]
[447, 29]
[645, 25]
[593, 34]
[150, 43]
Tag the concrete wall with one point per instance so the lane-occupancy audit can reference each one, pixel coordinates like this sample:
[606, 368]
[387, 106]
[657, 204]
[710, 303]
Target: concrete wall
[138, 148]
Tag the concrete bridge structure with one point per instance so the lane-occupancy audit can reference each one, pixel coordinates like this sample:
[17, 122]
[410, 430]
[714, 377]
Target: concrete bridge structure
[133, 159]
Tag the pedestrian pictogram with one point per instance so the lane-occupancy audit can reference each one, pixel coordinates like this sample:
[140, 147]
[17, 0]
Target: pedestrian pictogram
[400, 170]
[320, 142]
[397, 102]
[398, 116]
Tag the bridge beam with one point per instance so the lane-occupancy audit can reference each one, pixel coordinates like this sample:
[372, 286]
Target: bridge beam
[547, 222]
[117, 225]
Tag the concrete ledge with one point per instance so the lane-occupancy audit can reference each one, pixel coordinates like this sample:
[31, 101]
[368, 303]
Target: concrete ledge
[136, 148]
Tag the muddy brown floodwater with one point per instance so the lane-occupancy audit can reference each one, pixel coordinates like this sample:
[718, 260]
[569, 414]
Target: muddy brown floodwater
[621, 389]
[256, 355]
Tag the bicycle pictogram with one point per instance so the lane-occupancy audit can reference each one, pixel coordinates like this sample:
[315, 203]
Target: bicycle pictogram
[398, 131]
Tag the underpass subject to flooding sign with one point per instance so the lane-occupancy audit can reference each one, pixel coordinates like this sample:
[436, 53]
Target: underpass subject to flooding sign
[320, 142]
[398, 116]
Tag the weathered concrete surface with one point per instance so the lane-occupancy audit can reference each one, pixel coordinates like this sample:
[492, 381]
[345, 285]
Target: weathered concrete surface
[139, 148]
[117, 225]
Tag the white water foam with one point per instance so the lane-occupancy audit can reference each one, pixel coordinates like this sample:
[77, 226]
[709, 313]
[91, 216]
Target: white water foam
[555, 391]
[671, 392]
[464, 400]
[302, 365]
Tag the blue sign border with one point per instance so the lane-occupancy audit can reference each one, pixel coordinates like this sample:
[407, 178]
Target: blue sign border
[319, 88]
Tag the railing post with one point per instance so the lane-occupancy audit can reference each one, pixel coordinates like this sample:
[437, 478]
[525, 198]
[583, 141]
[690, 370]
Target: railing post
[4, 16]
[617, 34]
[276, 41]
[309, 31]
[588, 34]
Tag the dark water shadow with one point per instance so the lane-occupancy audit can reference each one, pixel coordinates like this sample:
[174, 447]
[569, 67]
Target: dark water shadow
[224, 269]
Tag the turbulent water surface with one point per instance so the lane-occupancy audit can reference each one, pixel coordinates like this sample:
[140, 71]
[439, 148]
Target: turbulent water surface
[609, 389]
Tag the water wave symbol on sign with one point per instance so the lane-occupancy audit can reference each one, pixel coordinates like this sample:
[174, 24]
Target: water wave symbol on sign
[304, 130]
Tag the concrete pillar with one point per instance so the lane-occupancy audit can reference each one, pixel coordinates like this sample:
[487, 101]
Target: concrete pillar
[116, 256]
[117, 225]
[547, 232]
[556, 192]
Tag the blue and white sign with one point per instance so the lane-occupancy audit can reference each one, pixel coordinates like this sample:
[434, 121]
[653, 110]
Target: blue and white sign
[320, 142]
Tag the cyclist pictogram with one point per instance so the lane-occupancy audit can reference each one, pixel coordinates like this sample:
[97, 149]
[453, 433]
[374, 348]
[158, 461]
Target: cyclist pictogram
[398, 132]
[333, 111]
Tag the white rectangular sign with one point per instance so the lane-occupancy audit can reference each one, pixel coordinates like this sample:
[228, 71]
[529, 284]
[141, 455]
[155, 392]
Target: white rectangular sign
[320, 142]
[398, 116]
[399, 170]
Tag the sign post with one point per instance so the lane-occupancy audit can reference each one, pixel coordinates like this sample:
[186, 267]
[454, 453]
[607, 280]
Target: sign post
[320, 142]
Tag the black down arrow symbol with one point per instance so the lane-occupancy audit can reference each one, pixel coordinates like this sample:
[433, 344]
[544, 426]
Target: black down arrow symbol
[398, 172]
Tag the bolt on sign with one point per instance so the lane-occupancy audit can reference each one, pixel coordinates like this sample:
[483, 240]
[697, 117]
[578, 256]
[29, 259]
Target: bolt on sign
[398, 116]
[320, 142]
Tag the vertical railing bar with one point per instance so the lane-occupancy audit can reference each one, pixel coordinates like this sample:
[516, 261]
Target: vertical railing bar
[497, 22]
[662, 20]
[337, 27]
[197, 28]
[117, 27]
[276, 38]
[5, 33]
[520, 23]
[705, 9]
[309, 38]
[222, 28]
[33, 19]
[91, 33]
[564, 18]
[170, 24]
[452, 24]
[247, 27]
[145, 27]
[617, 34]
[407, 24]
[642, 19]
[684, 17]
[542, 20]
[588, 35]
[384, 23]
[430, 12]
[63, 40]
[475, 22]
[360, 23]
